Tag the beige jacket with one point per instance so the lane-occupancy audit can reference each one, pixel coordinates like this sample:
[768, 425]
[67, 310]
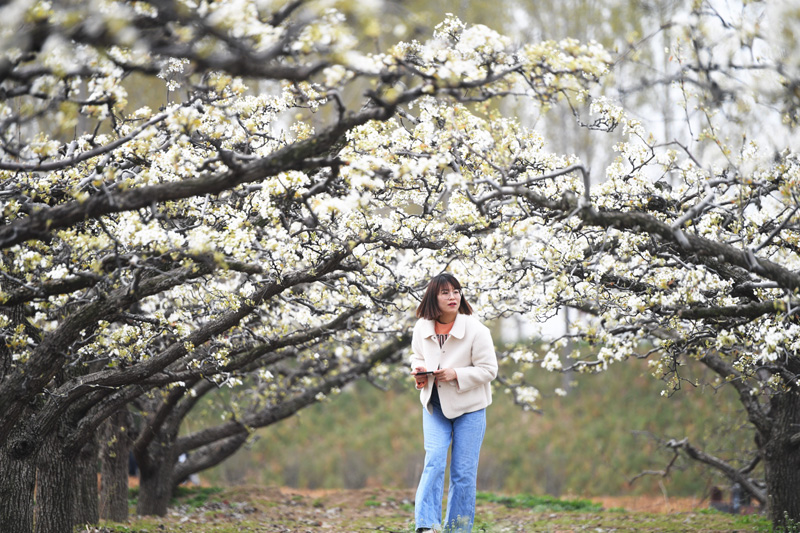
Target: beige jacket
[470, 352]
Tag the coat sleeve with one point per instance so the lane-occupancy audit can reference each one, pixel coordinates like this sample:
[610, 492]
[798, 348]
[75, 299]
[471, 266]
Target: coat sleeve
[417, 359]
[484, 363]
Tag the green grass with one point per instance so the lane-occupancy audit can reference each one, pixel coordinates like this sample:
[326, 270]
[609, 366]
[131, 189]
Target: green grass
[540, 503]
[263, 510]
[192, 497]
[589, 443]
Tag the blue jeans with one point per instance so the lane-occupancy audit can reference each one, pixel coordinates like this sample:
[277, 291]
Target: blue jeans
[466, 433]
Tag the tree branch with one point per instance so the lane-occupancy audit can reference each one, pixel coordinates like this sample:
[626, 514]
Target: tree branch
[730, 472]
[51, 288]
[751, 311]
[114, 378]
[69, 162]
[288, 407]
[48, 357]
[726, 371]
[638, 222]
[297, 156]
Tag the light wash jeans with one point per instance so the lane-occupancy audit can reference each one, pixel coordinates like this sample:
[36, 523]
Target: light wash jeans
[466, 433]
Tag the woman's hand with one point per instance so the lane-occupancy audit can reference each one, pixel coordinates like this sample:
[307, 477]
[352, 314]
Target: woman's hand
[420, 380]
[445, 374]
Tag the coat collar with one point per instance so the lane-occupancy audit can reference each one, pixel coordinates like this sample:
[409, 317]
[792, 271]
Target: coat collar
[458, 331]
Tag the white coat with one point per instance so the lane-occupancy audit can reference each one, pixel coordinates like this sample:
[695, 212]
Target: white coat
[469, 351]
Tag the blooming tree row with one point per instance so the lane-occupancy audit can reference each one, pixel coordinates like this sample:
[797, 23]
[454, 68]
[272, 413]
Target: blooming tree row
[251, 231]
[260, 231]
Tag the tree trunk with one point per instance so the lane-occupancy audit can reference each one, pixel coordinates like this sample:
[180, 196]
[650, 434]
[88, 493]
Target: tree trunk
[17, 483]
[782, 460]
[85, 511]
[156, 479]
[55, 487]
[115, 447]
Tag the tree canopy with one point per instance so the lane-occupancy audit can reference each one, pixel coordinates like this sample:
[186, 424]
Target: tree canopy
[260, 227]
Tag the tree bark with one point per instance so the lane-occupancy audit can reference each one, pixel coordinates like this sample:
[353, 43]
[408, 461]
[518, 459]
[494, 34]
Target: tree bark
[209, 456]
[85, 505]
[17, 483]
[55, 487]
[155, 478]
[782, 461]
[114, 451]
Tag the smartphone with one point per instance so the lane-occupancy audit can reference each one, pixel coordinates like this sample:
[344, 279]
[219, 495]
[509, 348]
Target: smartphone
[424, 373]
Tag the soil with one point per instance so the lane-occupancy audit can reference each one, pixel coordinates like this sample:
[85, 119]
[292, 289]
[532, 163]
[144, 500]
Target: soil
[283, 510]
[353, 499]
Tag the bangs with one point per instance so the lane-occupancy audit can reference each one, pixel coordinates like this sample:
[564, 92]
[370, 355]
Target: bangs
[429, 306]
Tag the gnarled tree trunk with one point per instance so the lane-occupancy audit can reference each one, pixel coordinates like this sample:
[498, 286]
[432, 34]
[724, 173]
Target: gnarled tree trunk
[85, 509]
[17, 483]
[55, 487]
[114, 451]
[156, 479]
[781, 454]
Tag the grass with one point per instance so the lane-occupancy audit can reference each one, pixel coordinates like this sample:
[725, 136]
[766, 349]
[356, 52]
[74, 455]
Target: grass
[539, 503]
[194, 497]
[262, 510]
[191, 497]
[589, 443]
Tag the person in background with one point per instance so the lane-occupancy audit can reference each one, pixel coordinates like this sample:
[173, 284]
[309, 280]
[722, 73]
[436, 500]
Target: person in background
[455, 392]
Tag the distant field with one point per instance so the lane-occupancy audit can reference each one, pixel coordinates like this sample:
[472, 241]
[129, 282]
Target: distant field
[589, 443]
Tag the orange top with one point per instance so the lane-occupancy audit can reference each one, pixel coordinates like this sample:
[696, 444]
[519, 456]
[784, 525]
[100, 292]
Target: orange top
[443, 329]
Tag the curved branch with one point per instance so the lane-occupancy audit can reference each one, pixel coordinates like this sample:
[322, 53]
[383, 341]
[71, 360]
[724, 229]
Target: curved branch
[692, 244]
[114, 378]
[298, 156]
[208, 456]
[754, 310]
[288, 407]
[51, 288]
[150, 430]
[48, 357]
[726, 371]
[82, 156]
[639, 223]
[730, 472]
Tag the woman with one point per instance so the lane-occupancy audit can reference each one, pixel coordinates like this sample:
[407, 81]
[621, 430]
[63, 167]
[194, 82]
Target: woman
[454, 393]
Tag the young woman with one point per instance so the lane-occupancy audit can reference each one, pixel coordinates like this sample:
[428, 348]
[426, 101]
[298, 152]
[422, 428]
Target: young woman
[453, 363]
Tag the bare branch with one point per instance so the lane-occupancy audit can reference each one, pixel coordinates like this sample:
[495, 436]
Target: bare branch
[661, 473]
[730, 472]
[725, 370]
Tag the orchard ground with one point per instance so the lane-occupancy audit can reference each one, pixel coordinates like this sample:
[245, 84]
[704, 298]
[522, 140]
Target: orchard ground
[273, 509]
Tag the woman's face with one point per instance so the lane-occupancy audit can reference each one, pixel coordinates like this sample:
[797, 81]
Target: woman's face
[449, 299]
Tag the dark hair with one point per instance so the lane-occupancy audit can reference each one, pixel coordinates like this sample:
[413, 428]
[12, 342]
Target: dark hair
[429, 306]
